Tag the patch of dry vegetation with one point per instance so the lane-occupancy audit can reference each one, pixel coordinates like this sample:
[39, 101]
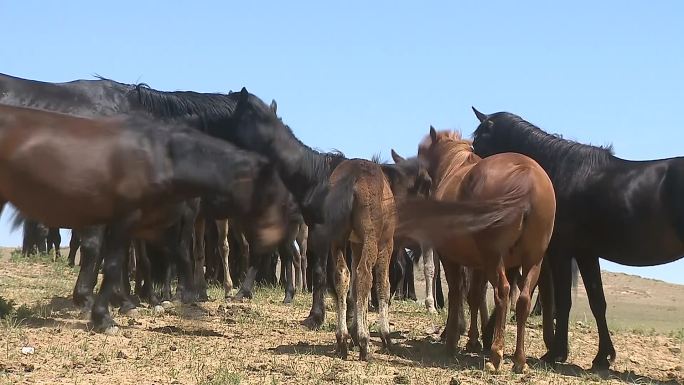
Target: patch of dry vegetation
[261, 342]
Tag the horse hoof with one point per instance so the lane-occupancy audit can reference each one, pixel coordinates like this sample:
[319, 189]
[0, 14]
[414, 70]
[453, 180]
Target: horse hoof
[287, 300]
[600, 365]
[158, 309]
[473, 346]
[313, 322]
[112, 330]
[166, 304]
[521, 369]
[489, 367]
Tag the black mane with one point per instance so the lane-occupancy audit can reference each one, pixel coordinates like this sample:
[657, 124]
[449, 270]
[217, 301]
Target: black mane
[564, 160]
[174, 104]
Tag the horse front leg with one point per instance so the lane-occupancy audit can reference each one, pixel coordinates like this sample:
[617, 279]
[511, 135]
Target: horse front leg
[116, 241]
[591, 276]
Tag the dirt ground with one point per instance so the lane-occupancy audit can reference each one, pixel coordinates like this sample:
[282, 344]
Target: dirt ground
[261, 341]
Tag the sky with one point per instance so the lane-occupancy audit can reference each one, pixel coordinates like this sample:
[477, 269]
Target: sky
[365, 77]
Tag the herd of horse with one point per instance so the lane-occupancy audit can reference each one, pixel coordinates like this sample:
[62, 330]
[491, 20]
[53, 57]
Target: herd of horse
[199, 186]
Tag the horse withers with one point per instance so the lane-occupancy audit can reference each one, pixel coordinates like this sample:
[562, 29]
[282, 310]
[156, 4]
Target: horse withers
[128, 172]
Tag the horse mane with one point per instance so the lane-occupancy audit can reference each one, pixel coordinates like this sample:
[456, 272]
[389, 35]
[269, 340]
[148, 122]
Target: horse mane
[455, 152]
[562, 158]
[173, 104]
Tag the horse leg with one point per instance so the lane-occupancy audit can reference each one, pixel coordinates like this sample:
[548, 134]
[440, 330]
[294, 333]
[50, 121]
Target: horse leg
[364, 282]
[478, 285]
[116, 241]
[515, 280]
[91, 243]
[591, 275]
[286, 265]
[429, 271]
[409, 279]
[74, 244]
[382, 271]
[302, 240]
[451, 335]
[297, 262]
[318, 251]
[498, 279]
[122, 293]
[561, 268]
[528, 279]
[224, 254]
[395, 274]
[342, 280]
[199, 253]
[145, 270]
[546, 301]
[437, 281]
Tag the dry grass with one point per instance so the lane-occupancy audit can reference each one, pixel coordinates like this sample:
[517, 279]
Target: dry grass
[261, 342]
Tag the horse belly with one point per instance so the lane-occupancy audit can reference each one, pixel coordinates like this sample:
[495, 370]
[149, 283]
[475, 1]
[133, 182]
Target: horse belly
[461, 251]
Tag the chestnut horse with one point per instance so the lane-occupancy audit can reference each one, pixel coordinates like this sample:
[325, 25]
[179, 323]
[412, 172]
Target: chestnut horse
[128, 172]
[518, 236]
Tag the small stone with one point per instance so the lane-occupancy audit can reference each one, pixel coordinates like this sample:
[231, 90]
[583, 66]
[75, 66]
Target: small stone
[167, 304]
[133, 322]
[455, 381]
[27, 350]
[173, 348]
[401, 379]
[127, 334]
[28, 367]
[112, 331]
[122, 355]
[675, 349]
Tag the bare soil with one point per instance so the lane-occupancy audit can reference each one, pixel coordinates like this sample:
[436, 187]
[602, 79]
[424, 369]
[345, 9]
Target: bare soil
[261, 341]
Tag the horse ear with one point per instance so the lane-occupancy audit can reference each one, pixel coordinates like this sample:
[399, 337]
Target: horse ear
[244, 95]
[274, 106]
[433, 134]
[396, 157]
[480, 116]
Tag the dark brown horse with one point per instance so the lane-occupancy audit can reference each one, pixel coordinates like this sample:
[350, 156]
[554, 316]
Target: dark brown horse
[517, 234]
[130, 173]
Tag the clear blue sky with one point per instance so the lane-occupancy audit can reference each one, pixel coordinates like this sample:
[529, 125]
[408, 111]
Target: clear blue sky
[365, 77]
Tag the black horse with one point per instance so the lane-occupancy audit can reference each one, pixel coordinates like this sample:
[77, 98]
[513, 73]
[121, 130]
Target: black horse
[211, 112]
[628, 212]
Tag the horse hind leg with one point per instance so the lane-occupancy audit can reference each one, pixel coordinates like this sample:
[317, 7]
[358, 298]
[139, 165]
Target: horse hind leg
[364, 283]
[382, 270]
[342, 279]
[497, 277]
[224, 253]
[429, 271]
[528, 280]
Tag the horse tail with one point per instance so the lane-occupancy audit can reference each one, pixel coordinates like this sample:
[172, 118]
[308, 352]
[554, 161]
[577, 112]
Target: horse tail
[436, 221]
[17, 220]
[338, 206]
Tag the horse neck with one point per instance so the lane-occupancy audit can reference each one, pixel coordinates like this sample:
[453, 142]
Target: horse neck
[556, 155]
[301, 168]
[452, 166]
